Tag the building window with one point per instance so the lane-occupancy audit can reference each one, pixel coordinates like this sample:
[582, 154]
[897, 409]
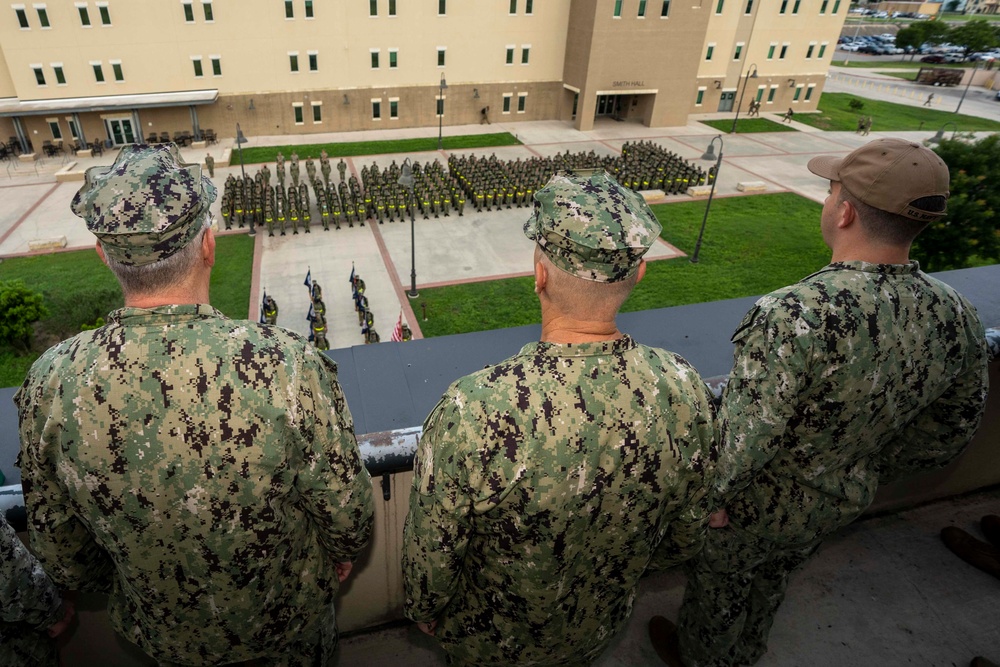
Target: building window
[513, 7]
[822, 7]
[393, 58]
[809, 91]
[289, 10]
[510, 55]
[392, 7]
[22, 17]
[393, 108]
[43, 16]
[216, 66]
[441, 51]
[197, 66]
[618, 9]
[84, 15]
[116, 68]
[105, 13]
[442, 7]
[293, 62]
[642, 9]
[718, 7]
[809, 51]
[836, 6]
[317, 112]
[39, 74]
[309, 9]
[822, 50]
[313, 61]
[700, 98]
[372, 7]
[760, 92]
[98, 72]
[738, 52]
[297, 108]
[749, 9]
[376, 109]
[770, 50]
[770, 94]
[525, 51]
[710, 51]
[55, 129]
[784, 7]
[665, 9]
[188, 12]
[784, 52]
[374, 53]
[795, 7]
[798, 93]
[528, 7]
[506, 103]
[207, 8]
[60, 77]
[74, 131]
[522, 98]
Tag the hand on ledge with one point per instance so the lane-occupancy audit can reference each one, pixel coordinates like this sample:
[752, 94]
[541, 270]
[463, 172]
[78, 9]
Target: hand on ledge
[344, 570]
[718, 519]
[428, 628]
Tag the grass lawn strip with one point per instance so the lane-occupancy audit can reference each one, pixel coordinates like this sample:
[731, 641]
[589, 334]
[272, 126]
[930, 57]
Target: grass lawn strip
[835, 115]
[261, 154]
[748, 125]
[752, 245]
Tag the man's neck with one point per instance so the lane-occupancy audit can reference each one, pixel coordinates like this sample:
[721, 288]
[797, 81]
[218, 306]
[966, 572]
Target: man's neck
[176, 297]
[566, 329]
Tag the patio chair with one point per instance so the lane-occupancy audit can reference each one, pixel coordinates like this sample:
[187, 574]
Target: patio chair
[151, 139]
[164, 137]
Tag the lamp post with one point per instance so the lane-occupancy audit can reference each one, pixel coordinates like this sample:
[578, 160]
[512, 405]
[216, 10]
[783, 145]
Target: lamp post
[751, 73]
[440, 109]
[939, 135]
[406, 180]
[966, 91]
[240, 140]
[709, 155]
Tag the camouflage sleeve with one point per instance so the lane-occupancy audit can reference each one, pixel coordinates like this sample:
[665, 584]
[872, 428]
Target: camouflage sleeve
[26, 592]
[769, 372]
[689, 508]
[439, 522]
[943, 429]
[334, 486]
[60, 540]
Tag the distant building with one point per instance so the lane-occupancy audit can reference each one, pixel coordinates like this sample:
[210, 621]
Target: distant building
[118, 72]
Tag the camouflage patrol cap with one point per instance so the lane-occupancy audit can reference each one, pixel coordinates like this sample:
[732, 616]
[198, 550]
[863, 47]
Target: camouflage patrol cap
[147, 205]
[890, 175]
[590, 226]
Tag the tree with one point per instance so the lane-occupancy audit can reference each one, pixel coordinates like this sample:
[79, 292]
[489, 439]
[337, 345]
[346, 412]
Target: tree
[921, 32]
[975, 35]
[972, 227]
[19, 308]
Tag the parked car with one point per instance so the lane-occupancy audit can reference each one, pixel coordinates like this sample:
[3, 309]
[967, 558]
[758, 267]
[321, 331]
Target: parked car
[933, 58]
[954, 58]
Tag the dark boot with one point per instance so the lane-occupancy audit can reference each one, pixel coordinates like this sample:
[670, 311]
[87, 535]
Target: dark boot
[663, 637]
[974, 552]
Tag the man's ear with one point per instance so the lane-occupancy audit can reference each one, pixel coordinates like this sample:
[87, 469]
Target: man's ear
[208, 247]
[541, 276]
[847, 215]
[641, 272]
[100, 252]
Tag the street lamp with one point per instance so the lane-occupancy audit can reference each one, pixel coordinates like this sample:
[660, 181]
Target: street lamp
[240, 140]
[440, 109]
[406, 180]
[751, 73]
[709, 155]
[939, 135]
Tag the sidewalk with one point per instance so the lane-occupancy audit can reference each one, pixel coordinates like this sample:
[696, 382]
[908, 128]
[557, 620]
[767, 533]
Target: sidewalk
[476, 246]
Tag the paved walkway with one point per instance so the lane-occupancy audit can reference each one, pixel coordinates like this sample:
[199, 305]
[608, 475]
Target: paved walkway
[476, 246]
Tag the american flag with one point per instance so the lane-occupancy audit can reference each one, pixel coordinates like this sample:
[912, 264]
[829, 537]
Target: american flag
[397, 332]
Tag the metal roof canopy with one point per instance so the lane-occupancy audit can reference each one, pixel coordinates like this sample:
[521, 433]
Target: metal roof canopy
[12, 106]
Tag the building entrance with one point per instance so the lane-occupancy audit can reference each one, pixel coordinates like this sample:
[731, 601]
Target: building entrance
[120, 130]
[726, 101]
[608, 105]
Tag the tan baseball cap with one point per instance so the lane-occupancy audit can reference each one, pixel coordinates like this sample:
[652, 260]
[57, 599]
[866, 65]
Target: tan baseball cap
[889, 174]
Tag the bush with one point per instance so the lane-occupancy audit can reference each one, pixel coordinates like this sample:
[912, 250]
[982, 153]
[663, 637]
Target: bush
[19, 309]
[855, 104]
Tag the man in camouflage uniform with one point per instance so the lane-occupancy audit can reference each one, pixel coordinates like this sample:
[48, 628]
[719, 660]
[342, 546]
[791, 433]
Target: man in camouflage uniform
[864, 371]
[544, 485]
[31, 611]
[202, 470]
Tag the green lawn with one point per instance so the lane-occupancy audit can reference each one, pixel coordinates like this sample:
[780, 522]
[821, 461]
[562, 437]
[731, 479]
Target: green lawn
[834, 114]
[78, 289]
[346, 149]
[752, 245]
[748, 125]
[897, 64]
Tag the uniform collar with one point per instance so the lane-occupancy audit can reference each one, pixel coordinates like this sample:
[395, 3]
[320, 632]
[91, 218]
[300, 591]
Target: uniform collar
[595, 349]
[164, 314]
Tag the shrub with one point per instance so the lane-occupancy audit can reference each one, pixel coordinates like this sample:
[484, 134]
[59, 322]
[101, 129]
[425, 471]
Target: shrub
[19, 309]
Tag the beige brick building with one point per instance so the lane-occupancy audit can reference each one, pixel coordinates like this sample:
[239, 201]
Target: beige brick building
[120, 70]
